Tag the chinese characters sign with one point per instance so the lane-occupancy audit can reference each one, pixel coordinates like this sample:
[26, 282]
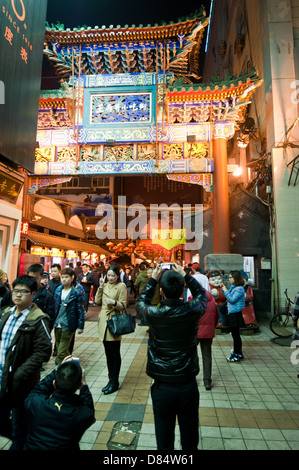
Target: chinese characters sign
[22, 32]
[14, 18]
[9, 188]
[44, 251]
[120, 108]
[24, 227]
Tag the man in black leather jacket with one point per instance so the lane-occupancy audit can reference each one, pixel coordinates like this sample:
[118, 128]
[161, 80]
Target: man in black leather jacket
[172, 354]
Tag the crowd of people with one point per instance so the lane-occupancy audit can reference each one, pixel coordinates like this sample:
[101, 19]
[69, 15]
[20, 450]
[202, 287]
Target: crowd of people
[41, 308]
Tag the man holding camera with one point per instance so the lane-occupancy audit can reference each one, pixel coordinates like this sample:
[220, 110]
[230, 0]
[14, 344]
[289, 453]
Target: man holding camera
[172, 354]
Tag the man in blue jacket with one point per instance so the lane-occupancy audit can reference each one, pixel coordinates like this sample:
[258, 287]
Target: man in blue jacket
[172, 354]
[69, 313]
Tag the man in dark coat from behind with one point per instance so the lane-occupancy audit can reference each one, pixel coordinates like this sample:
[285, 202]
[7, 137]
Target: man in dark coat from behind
[172, 354]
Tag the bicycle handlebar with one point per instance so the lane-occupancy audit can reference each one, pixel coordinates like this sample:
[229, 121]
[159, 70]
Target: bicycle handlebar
[287, 297]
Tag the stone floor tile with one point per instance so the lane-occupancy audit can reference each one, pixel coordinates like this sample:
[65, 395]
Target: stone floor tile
[212, 443]
[210, 431]
[230, 433]
[291, 435]
[253, 444]
[251, 433]
[278, 445]
[234, 444]
[272, 435]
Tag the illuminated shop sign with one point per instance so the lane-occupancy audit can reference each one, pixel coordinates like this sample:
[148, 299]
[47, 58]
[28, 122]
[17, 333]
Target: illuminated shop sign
[39, 251]
[72, 254]
[9, 188]
[44, 251]
[24, 227]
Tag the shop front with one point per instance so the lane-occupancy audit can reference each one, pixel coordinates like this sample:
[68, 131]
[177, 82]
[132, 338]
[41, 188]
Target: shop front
[50, 249]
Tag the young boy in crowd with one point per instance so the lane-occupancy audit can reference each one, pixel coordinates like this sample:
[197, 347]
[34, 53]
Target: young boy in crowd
[69, 313]
[57, 415]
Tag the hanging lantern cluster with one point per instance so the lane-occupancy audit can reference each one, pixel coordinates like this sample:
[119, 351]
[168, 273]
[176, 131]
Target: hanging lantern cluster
[121, 248]
[144, 250]
[150, 251]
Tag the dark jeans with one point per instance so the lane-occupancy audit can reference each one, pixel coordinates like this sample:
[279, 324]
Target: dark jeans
[206, 353]
[171, 400]
[13, 425]
[235, 331]
[112, 350]
[86, 303]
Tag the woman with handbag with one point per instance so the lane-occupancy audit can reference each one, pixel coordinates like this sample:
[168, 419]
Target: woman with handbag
[112, 296]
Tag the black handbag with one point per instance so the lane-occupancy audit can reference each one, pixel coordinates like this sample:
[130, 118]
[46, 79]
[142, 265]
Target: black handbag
[223, 309]
[121, 323]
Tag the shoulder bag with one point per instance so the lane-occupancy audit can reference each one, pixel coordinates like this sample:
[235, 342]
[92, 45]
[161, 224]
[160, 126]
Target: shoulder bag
[121, 323]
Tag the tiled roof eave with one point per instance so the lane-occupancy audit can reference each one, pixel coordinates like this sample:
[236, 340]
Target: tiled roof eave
[92, 36]
[242, 85]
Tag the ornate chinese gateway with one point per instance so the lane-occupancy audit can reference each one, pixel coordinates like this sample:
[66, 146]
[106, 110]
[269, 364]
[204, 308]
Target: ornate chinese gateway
[131, 102]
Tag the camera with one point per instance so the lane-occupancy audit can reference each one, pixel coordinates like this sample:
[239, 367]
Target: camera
[166, 265]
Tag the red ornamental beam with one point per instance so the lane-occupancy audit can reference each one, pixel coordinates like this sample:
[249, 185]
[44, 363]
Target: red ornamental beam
[207, 95]
[49, 102]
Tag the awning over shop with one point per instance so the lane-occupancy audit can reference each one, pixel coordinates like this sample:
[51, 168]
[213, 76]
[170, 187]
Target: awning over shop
[65, 243]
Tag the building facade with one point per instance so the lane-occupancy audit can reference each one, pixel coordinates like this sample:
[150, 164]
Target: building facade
[265, 34]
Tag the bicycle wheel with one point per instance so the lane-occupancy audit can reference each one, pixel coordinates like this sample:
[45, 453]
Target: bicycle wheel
[282, 325]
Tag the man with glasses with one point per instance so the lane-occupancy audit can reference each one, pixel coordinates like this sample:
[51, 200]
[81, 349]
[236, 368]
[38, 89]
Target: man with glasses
[25, 343]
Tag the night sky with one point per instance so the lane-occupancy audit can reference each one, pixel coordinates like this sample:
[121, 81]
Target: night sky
[74, 13]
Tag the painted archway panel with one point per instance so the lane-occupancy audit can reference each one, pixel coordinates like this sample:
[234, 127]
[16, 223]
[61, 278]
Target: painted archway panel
[124, 167]
[121, 134]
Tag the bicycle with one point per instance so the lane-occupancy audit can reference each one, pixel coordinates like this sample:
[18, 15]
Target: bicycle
[282, 324]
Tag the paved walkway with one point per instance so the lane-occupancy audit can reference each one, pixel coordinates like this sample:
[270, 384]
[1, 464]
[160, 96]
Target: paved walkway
[253, 405]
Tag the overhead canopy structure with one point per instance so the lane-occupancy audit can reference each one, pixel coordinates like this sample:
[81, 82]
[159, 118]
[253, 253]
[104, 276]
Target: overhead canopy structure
[52, 241]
